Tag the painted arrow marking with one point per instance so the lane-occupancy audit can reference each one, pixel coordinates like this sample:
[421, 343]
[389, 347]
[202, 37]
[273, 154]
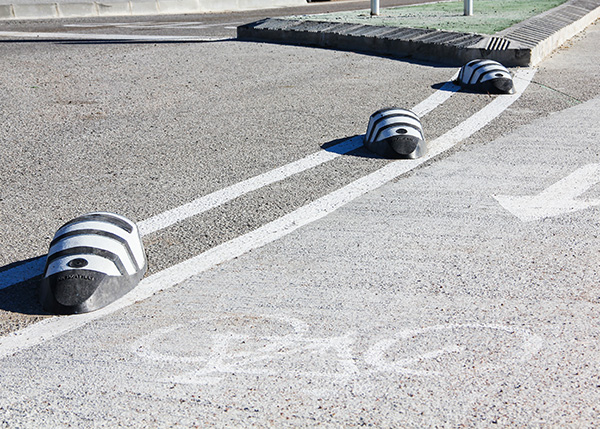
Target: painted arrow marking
[558, 199]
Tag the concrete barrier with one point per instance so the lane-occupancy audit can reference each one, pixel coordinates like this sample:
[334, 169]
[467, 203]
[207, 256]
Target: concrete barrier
[524, 44]
[125, 8]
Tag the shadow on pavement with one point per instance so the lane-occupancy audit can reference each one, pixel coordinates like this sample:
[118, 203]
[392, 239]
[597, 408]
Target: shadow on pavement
[21, 297]
[360, 152]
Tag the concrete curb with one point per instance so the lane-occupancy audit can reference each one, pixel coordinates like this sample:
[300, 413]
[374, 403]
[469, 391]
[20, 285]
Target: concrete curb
[125, 8]
[524, 44]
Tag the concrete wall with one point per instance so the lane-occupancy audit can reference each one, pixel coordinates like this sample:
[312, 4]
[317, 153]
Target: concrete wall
[137, 7]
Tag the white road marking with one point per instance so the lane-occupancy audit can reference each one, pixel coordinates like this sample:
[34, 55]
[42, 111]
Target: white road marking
[210, 201]
[115, 37]
[204, 203]
[101, 24]
[378, 355]
[200, 351]
[214, 347]
[341, 366]
[156, 25]
[110, 24]
[222, 196]
[558, 199]
[54, 327]
[437, 98]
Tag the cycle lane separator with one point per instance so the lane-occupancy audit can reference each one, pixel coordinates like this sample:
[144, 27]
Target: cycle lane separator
[54, 327]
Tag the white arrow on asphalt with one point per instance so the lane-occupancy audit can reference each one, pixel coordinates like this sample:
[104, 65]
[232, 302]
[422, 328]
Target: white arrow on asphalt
[558, 199]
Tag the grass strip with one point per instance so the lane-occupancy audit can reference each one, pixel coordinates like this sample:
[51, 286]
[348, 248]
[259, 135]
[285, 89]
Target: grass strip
[489, 16]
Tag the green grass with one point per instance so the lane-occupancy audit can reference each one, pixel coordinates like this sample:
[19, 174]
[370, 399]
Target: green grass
[489, 16]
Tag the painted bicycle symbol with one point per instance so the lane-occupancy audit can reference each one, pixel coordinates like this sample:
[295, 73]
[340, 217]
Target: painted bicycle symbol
[203, 351]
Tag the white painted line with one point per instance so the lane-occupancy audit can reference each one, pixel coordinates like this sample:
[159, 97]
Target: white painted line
[558, 199]
[484, 116]
[437, 98]
[116, 37]
[217, 198]
[161, 26]
[378, 356]
[201, 204]
[107, 24]
[56, 326]
[210, 201]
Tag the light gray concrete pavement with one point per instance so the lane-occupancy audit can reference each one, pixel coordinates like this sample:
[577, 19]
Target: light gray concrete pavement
[423, 303]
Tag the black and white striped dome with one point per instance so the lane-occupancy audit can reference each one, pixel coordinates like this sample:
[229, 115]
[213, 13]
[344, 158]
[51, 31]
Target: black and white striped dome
[395, 133]
[93, 260]
[486, 76]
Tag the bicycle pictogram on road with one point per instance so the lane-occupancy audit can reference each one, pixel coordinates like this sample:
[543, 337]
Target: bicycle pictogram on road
[203, 351]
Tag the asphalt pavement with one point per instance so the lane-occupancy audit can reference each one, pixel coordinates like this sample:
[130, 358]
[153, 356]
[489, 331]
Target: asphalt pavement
[461, 290]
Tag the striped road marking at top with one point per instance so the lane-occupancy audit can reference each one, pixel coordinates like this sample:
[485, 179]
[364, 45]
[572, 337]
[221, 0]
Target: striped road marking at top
[54, 327]
[33, 268]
